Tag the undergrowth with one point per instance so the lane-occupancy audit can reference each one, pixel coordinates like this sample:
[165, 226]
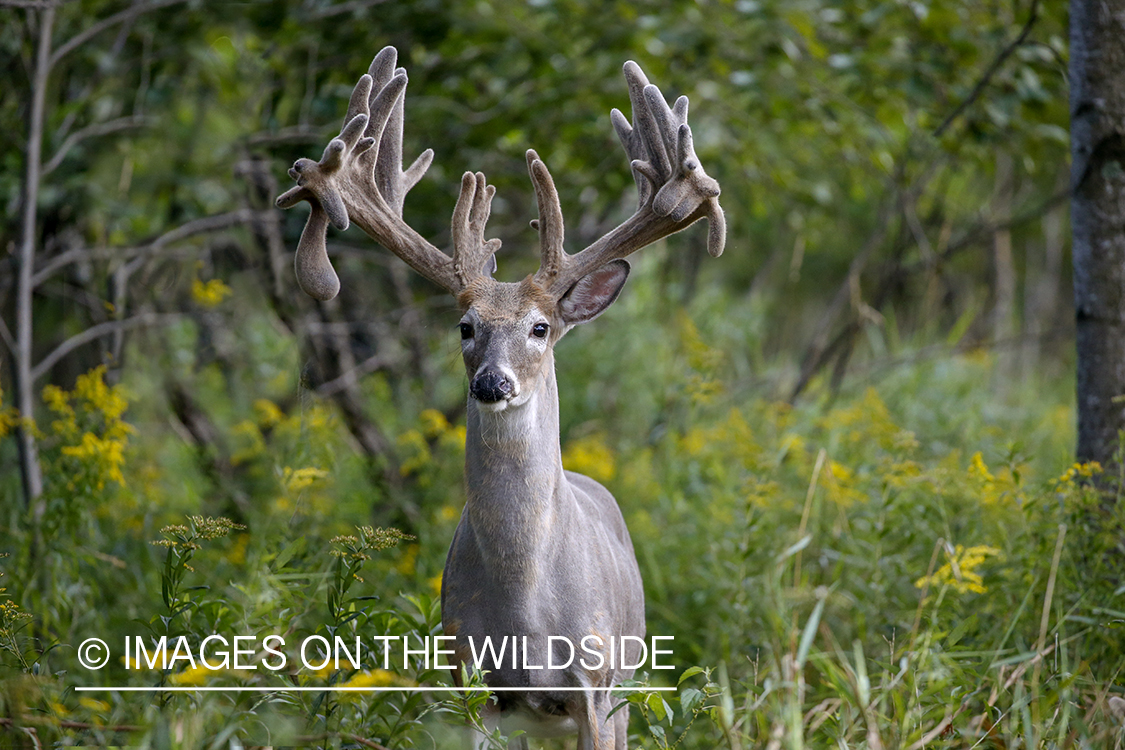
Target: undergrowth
[913, 564]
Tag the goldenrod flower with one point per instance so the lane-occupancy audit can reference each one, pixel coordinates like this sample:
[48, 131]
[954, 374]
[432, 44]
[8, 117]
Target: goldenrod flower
[591, 456]
[300, 479]
[376, 678]
[193, 676]
[959, 573]
[209, 294]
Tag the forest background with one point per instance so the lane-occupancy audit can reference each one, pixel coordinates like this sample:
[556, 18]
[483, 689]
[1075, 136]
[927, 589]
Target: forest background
[844, 449]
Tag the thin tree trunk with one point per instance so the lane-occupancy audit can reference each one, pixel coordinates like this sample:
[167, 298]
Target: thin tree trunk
[1041, 306]
[1097, 126]
[1004, 298]
[25, 385]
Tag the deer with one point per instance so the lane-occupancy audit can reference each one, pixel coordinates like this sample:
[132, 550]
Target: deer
[539, 551]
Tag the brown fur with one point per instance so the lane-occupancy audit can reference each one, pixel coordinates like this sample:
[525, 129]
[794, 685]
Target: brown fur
[497, 300]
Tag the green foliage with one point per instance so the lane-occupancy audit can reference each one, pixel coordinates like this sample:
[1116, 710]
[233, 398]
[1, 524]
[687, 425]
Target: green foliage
[876, 573]
[910, 559]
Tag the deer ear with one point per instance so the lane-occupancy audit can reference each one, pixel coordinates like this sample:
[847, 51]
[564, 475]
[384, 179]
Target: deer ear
[593, 293]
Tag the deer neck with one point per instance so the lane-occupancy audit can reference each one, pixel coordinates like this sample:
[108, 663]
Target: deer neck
[514, 474]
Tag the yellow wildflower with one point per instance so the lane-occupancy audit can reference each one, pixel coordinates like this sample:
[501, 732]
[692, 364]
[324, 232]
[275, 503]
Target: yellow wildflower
[92, 389]
[268, 412]
[93, 704]
[324, 672]
[435, 584]
[869, 420]
[840, 482]
[295, 481]
[959, 573]
[193, 676]
[209, 294]
[58, 401]
[9, 418]
[415, 442]
[693, 442]
[1079, 470]
[108, 455]
[90, 430]
[434, 423]
[979, 470]
[590, 456]
[376, 678]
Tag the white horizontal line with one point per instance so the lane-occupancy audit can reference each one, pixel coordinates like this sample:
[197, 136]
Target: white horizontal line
[204, 689]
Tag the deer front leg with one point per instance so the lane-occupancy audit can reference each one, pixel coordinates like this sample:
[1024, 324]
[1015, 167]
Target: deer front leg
[596, 731]
[621, 728]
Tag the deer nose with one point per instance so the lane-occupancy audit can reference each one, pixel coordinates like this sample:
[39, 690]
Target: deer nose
[490, 386]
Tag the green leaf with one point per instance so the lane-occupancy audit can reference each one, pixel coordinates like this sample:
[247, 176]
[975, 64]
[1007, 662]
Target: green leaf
[690, 700]
[810, 632]
[287, 553]
[689, 672]
[795, 548]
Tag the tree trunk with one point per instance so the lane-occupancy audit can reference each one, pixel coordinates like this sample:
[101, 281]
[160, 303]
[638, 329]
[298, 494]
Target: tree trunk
[1097, 110]
[31, 472]
[1004, 267]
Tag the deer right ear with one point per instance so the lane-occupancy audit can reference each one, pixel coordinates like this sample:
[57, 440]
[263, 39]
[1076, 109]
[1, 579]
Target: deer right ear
[593, 293]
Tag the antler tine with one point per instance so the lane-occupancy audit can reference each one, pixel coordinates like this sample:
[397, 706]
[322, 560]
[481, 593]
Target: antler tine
[471, 252]
[674, 190]
[550, 221]
[359, 178]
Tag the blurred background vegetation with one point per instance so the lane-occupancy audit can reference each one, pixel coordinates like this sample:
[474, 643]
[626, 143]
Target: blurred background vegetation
[844, 449]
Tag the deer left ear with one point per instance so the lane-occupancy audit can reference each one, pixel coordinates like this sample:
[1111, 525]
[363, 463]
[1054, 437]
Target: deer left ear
[593, 293]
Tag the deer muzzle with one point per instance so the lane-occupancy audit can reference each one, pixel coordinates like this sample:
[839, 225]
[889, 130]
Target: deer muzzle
[491, 387]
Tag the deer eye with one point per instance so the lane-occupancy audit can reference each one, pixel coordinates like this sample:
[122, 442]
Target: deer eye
[466, 331]
[539, 330]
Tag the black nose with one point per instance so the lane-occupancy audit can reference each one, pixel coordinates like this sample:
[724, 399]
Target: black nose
[490, 387]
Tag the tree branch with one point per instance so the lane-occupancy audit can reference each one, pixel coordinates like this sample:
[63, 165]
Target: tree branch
[1005, 53]
[985, 230]
[90, 32]
[295, 134]
[352, 376]
[6, 335]
[91, 131]
[196, 226]
[97, 331]
[31, 4]
[354, 5]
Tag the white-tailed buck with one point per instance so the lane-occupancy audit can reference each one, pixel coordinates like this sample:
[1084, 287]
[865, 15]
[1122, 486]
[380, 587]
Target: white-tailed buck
[539, 551]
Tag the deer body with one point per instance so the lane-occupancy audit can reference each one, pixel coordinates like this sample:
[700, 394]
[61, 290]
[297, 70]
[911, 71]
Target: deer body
[539, 551]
